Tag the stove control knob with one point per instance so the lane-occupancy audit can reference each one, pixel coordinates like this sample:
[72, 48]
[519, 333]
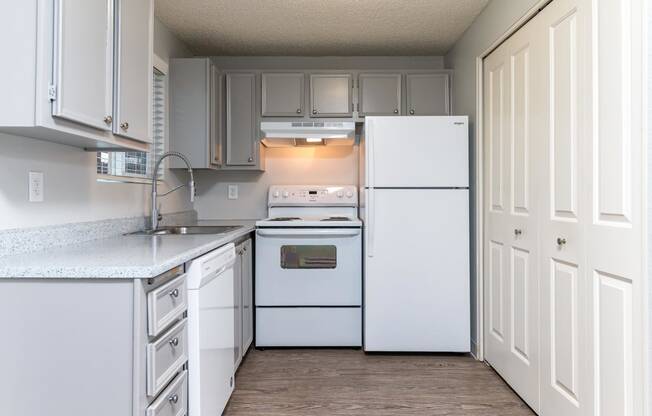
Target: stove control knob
[349, 194]
[340, 194]
[286, 194]
[276, 194]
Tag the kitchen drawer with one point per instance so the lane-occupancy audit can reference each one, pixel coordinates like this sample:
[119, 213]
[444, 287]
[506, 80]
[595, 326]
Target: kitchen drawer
[166, 356]
[174, 400]
[166, 304]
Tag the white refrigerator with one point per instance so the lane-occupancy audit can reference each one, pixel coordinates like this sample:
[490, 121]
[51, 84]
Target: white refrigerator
[415, 207]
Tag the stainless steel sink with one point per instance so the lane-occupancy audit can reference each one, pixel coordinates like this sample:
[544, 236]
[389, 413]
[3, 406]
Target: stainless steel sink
[189, 230]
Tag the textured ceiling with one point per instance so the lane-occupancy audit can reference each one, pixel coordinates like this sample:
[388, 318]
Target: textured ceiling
[319, 27]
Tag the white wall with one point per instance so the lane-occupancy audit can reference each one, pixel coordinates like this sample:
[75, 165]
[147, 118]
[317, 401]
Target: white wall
[285, 166]
[495, 20]
[72, 193]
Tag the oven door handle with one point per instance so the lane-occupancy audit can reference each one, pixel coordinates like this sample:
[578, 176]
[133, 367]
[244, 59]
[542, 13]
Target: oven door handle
[296, 232]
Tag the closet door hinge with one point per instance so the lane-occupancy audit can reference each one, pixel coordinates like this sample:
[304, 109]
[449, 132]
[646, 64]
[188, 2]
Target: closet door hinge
[52, 92]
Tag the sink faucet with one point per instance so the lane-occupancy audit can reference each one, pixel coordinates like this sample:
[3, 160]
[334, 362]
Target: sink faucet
[155, 214]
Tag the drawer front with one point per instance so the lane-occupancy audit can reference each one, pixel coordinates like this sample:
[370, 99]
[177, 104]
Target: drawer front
[165, 304]
[166, 356]
[308, 327]
[174, 400]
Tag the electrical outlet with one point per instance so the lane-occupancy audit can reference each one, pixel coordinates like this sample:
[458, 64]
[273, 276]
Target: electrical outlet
[36, 187]
[233, 192]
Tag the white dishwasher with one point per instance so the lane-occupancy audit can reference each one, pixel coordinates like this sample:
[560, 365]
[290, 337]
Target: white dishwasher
[210, 331]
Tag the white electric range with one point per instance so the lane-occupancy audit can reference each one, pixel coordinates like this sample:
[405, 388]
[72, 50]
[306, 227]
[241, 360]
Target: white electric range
[309, 268]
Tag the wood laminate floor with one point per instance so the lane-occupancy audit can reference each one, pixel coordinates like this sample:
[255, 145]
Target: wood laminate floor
[348, 382]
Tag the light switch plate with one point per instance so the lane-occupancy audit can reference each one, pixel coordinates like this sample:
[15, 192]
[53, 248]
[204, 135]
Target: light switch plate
[36, 187]
[233, 192]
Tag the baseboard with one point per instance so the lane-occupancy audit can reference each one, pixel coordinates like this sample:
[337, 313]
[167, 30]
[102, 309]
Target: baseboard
[474, 349]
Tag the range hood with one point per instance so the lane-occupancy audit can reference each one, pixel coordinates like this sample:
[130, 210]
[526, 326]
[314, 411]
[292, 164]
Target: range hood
[307, 133]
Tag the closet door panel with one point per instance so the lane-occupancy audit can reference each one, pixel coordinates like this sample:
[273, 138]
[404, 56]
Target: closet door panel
[520, 131]
[512, 295]
[615, 233]
[564, 320]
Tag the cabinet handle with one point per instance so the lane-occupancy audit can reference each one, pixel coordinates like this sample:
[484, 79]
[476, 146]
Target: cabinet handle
[108, 119]
[314, 111]
[251, 159]
[518, 232]
[561, 241]
[396, 111]
[298, 111]
[174, 293]
[173, 399]
[412, 111]
[174, 342]
[124, 126]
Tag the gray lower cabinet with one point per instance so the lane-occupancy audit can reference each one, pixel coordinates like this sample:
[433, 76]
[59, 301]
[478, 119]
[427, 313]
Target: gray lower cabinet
[242, 138]
[247, 295]
[330, 95]
[195, 113]
[379, 94]
[428, 94]
[101, 347]
[283, 94]
[243, 299]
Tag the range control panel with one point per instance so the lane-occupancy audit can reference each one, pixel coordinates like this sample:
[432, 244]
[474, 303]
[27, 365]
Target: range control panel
[324, 195]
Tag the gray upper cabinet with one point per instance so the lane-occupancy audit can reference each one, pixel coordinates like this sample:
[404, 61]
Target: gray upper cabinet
[330, 95]
[133, 69]
[83, 63]
[241, 121]
[428, 94]
[79, 71]
[216, 137]
[379, 94]
[283, 94]
[194, 112]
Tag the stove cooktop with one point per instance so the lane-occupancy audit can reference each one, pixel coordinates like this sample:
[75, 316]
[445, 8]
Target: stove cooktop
[316, 221]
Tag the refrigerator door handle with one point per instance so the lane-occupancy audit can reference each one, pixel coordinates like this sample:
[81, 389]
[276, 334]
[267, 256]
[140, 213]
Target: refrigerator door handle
[371, 198]
[371, 219]
[370, 154]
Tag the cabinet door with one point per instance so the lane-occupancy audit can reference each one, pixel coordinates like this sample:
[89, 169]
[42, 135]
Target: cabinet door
[379, 94]
[283, 95]
[133, 69]
[241, 129]
[237, 301]
[247, 297]
[83, 62]
[190, 116]
[428, 95]
[216, 115]
[330, 95]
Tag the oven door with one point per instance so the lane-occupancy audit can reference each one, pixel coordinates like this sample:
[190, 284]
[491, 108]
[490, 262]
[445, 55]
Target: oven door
[308, 267]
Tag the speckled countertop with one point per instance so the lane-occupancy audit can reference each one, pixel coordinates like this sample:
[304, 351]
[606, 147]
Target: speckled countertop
[124, 256]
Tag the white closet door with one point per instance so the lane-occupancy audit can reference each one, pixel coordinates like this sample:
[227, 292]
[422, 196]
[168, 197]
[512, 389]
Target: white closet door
[83, 62]
[565, 319]
[511, 342]
[614, 234]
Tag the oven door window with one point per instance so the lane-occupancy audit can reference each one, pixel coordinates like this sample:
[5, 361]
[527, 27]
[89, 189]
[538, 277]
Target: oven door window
[308, 257]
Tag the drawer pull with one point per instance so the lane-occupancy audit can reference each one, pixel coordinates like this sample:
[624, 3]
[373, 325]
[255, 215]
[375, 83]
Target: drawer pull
[173, 398]
[174, 293]
[174, 342]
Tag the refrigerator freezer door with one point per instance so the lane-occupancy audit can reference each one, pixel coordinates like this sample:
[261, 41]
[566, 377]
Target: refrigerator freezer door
[417, 281]
[416, 152]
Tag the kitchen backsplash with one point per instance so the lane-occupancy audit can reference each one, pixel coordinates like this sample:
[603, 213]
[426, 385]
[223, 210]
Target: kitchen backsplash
[26, 240]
